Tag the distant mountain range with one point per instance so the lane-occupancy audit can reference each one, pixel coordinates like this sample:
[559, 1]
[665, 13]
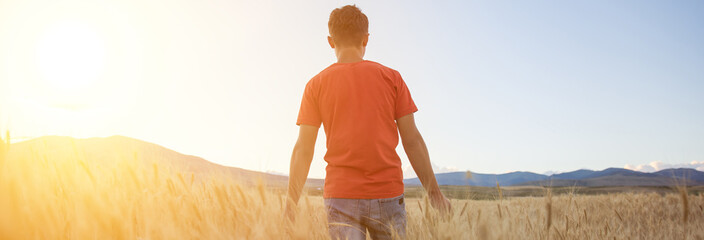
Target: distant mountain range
[582, 178]
[117, 149]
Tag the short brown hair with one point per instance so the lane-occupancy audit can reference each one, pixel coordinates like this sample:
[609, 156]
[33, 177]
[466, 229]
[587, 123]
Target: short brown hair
[348, 25]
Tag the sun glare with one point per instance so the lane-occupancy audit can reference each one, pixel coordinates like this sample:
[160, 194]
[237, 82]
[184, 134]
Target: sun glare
[71, 55]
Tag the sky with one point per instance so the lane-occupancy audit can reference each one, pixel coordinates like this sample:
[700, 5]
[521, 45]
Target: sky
[501, 86]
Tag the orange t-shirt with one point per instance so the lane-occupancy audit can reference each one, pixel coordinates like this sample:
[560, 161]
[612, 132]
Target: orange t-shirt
[358, 104]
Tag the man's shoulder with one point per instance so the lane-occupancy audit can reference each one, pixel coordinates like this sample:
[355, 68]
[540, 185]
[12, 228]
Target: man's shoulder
[380, 66]
[387, 71]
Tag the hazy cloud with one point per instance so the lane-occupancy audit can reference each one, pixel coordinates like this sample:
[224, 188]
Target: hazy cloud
[658, 165]
[550, 173]
[276, 173]
[71, 106]
[409, 173]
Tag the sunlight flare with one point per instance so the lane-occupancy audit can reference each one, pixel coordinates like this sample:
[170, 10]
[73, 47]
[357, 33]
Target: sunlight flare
[70, 56]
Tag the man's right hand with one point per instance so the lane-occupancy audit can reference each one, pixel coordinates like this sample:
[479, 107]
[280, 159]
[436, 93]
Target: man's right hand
[441, 203]
[417, 153]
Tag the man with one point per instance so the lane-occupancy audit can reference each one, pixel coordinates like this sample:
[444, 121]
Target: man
[363, 107]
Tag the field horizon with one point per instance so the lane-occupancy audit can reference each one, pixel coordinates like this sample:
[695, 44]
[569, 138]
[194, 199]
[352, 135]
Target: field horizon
[591, 181]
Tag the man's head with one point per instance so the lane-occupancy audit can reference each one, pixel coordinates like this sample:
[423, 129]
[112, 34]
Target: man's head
[348, 27]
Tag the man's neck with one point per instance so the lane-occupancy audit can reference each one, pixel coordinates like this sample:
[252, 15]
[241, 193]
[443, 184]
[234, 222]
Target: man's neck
[349, 55]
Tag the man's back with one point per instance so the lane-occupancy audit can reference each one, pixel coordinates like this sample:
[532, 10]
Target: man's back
[358, 104]
[364, 106]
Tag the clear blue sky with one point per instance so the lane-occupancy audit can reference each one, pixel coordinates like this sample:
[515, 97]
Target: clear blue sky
[500, 85]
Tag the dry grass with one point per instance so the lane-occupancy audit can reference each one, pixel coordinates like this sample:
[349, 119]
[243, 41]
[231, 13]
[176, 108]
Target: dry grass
[44, 198]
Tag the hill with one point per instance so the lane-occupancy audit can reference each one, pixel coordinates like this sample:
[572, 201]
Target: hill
[124, 150]
[682, 173]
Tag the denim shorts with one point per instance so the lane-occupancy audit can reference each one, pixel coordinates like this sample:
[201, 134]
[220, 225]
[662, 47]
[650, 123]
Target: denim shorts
[351, 218]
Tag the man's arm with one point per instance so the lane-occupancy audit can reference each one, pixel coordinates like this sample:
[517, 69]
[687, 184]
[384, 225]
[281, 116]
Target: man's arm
[300, 164]
[419, 157]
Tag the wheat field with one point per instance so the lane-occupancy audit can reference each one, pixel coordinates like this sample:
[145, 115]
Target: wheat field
[74, 198]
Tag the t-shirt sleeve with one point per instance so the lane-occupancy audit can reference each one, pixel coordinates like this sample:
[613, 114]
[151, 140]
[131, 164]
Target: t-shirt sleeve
[309, 113]
[404, 102]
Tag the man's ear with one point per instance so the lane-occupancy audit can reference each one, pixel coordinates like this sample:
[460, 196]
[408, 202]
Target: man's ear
[332, 43]
[365, 40]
